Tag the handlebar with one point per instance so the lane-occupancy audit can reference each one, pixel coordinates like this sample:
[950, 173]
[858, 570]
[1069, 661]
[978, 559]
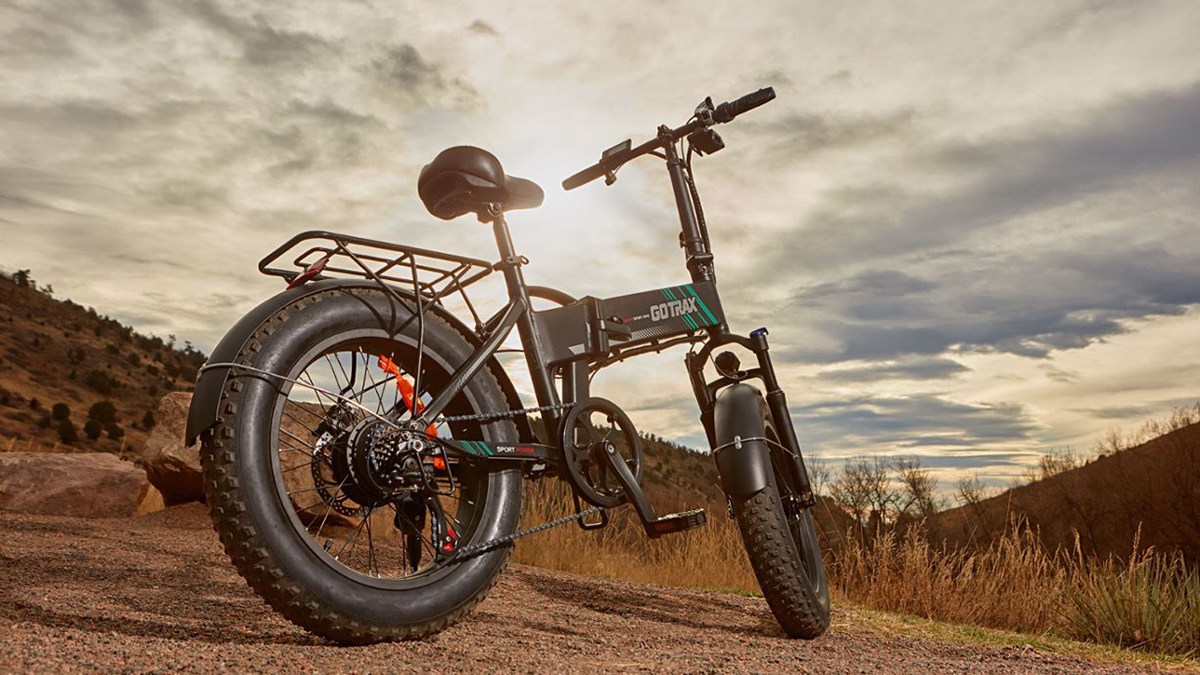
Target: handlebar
[584, 177]
[725, 112]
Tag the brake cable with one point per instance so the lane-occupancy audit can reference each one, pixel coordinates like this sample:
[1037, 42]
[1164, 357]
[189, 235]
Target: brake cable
[695, 194]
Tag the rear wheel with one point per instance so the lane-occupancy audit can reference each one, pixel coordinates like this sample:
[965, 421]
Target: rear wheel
[781, 542]
[337, 519]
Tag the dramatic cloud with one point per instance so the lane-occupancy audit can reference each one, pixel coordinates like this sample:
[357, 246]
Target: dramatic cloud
[972, 230]
[912, 422]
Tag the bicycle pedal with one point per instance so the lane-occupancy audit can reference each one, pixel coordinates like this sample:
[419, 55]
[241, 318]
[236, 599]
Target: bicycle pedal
[676, 522]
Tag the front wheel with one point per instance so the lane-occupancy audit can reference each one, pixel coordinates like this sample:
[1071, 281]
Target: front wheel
[781, 542]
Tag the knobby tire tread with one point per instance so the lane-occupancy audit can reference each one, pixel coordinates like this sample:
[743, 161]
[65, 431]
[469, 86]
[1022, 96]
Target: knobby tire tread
[776, 562]
[254, 561]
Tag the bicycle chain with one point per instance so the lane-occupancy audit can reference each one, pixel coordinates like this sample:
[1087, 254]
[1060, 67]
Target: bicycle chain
[483, 546]
[489, 416]
[476, 549]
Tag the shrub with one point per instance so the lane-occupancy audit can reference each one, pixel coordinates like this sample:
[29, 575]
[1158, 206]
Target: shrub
[148, 420]
[114, 431]
[100, 381]
[92, 429]
[1151, 602]
[103, 412]
[66, 432]
[35, 404]
[60, 411]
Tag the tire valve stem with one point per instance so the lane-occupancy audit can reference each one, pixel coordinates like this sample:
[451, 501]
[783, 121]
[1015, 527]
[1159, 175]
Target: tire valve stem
[327, 545]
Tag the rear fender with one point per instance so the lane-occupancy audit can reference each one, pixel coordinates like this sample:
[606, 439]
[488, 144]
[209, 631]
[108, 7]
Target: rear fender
[205, 411]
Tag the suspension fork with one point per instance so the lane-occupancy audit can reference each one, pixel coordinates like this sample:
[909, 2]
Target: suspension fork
[777, 404]
[705, 394]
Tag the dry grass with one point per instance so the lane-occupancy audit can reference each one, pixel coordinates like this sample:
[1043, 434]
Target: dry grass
[14, 444]
[708, 557]
[1001, 587]
[1151, 602]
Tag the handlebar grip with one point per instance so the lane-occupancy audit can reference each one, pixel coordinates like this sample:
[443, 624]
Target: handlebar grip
[731, 109]
[583, 177]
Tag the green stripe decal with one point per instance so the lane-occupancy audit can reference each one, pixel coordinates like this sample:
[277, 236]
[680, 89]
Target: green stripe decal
[478, 448]
[690, 321]
[703, 306]
[669, 293]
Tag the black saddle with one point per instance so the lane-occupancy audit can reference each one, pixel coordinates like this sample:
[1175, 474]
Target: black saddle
[465, 179]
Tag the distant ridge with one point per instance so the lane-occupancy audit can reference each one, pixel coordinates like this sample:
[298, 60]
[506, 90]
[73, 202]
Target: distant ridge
[58, 352]
[1154, 487]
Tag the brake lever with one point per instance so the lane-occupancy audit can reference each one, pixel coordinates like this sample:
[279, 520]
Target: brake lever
[704, 111]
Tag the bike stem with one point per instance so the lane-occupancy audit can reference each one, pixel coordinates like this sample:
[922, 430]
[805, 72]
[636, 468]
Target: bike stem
[696, 245]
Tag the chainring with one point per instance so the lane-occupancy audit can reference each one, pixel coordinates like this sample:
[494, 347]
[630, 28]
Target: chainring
[593, 428]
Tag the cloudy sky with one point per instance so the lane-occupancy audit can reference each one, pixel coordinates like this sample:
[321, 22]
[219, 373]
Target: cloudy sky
[973, 227]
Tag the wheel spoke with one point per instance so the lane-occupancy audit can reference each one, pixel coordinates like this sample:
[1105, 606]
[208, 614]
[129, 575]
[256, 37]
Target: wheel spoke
[354, 538]
[334, 416]
[328, 509]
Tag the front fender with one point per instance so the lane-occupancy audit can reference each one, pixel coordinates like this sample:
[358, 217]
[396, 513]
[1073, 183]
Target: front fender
[205, 412]
[738, 414]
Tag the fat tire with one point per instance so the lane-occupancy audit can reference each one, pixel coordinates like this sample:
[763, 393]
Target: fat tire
[801, 607]
[233, 492]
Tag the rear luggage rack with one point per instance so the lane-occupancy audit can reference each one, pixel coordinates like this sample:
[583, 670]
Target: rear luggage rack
[434, 273]
[318, 254]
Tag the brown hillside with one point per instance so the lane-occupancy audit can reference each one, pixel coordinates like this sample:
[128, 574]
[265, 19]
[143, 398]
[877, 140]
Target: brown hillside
[1154, 486]
[55, 351]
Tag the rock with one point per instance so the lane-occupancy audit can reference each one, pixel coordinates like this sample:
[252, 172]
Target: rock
[97, 485]
[171, 467]
[175, 470]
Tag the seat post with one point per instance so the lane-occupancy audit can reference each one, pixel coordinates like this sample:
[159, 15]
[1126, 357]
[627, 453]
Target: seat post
[510, 264]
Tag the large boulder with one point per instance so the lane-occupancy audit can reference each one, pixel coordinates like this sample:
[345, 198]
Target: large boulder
[173, 468]
[94, 485]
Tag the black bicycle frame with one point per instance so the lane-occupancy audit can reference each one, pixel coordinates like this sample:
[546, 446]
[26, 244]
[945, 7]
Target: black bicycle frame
[591, 332]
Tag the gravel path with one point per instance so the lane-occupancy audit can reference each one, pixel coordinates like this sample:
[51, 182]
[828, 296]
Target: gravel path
[156, 593]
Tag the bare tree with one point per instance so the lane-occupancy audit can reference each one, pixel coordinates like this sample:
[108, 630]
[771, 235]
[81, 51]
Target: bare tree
[820, 474]
[850, 490]
[969, 490]
[918, 486]
[1058, 460]
[864, 488]
[883, 495]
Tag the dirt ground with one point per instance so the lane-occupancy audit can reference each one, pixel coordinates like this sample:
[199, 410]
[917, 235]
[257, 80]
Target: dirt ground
[156, 593]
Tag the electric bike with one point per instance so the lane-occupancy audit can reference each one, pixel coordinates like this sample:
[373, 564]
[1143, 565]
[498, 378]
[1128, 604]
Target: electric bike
[364, 451]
